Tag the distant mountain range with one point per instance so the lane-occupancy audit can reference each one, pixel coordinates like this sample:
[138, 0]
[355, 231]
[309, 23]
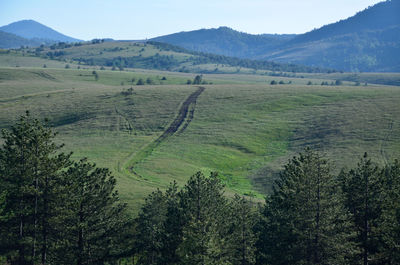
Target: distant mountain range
[367, 41]
[30, 33]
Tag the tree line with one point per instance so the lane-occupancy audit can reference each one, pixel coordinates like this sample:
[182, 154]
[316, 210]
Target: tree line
[57, 211]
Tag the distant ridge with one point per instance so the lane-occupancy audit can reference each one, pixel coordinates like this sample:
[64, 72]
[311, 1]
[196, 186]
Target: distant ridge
[9, 40]
[226, 41]
[32, 30]
[368, 41]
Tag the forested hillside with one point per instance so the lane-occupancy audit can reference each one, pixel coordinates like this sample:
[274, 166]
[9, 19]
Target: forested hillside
[368, 41]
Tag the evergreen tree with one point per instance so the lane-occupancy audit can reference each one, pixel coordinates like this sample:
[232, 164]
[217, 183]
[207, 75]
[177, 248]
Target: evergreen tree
[388, 228]
[29, 169]
[159, 228]
[304, 219]
[204, 214]
[363, 192]
[242, 237]
[150, 228]
[94, 226]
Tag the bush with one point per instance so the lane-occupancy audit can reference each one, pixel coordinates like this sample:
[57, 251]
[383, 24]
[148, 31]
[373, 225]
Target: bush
[140, 82]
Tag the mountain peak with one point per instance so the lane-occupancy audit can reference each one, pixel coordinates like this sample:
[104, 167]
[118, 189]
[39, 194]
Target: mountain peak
[31, 29]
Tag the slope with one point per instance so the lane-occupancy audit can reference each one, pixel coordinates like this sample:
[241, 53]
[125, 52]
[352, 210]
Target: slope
[9, 40]
[31, 29]
[367, 41]
[226, 41]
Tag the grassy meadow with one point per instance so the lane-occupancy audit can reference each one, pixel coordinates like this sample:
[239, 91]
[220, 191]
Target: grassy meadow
[240, 126]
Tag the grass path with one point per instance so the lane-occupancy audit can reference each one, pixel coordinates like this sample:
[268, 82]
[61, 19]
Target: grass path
[182, 120]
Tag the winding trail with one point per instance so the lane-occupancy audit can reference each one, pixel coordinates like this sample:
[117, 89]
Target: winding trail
[185, 113]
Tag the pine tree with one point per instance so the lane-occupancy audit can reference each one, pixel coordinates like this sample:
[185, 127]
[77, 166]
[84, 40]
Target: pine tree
[94, 226]
[363, 192]
[204, 211]
[159, 228]
[29, 168]
[304, 220]
[150, 228]
[242, 237]
[388, 228]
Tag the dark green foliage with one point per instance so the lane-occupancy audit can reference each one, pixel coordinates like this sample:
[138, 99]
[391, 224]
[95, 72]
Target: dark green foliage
[389, 221]
[93, 221]
[52, 212]
[304, 220]
[140, 82]
[273, 82]
[30, 170]
[242, 236]
[159, 228]
[372, 196]
[197, 80]
[196, 225]
[204, 231]
[149, 81]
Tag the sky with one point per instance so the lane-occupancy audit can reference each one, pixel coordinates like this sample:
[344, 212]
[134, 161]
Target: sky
[141, 19]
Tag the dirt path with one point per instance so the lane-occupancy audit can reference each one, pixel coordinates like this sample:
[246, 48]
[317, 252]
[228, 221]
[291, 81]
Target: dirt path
[182, 115]
[185, 113]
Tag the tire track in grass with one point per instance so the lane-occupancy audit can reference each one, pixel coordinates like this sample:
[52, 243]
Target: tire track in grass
[185, 113]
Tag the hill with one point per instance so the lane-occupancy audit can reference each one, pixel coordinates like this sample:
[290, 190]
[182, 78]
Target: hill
[160, 56]
[367, 41]
[166, 130]
[9, 40]
[226, 41]
[33, 30]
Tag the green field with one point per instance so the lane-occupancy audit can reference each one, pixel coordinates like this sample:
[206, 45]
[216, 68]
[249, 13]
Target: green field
[240, 125]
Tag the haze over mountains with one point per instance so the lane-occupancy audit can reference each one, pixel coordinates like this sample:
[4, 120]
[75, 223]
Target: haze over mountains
[30, 33]
[368, 41]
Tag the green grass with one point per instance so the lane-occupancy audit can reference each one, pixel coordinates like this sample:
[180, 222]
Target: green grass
[243, 128]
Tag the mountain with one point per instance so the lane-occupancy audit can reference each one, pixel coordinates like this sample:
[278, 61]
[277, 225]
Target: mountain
[30, 29]
[226, 41]
[9, 40]
[368, 41]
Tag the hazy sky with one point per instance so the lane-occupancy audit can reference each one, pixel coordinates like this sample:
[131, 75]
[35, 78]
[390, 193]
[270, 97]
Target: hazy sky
[140, 19]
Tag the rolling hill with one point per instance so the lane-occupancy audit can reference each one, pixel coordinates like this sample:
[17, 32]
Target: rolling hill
[9, 40]
[160, 56]
[32, 30]
[226, 41]
[165, 130]
[367, 41]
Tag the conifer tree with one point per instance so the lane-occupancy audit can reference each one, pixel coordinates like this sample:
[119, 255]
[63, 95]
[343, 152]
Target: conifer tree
[159, 228]
[150, 228]
[94, 226]
[304, 220]
[388, 228]
[30, 165]
[204, 211]
[362, 188]
[242, 237]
